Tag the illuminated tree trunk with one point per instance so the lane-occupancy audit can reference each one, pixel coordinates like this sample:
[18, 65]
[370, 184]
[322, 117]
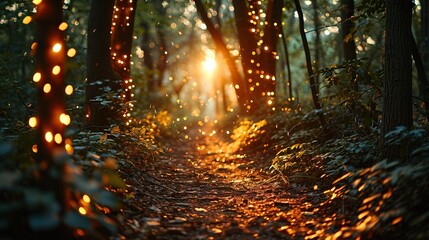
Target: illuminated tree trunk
[101, 79]
[314, 92]
[397, 94]
[269, 50]
[122, 41]
[221, 47]
[51, 118]
[258, 54]
[247, 41]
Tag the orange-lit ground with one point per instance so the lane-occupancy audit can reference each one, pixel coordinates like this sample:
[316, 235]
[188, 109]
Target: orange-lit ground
[201, 190]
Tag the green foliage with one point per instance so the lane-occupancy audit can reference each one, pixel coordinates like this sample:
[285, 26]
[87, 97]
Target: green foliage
[389, 198]
[371, 8]
[26, 208]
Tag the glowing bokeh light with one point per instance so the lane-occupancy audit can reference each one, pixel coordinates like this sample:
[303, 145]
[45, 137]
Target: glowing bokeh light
[49, 136]
[47, 88]
[57, 47]
[69, 90]
[32, 122]
[56, 70]
[26, 20]
[37, 76]
[71, 52]
[63, 26]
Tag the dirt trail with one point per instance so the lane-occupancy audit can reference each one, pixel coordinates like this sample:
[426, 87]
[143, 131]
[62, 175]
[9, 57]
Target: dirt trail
[200, 190]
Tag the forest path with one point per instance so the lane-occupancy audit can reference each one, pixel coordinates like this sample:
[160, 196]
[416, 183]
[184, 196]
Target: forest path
[199, 189]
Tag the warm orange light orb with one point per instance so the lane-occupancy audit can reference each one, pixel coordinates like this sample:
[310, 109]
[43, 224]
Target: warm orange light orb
[69, 90]
[27, 20]
[57, 47]
[71, 52]
[63, 26]
[37, 76]
[32, 122]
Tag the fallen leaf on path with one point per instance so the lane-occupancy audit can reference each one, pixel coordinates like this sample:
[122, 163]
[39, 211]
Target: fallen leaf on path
[200, 210]
[216, 230]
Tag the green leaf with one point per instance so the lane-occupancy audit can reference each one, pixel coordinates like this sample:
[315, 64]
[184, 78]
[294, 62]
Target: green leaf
[107, 199]
[76, 220]
[43, 221]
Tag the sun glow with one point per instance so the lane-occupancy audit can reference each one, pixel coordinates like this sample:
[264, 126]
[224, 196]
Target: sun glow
[209, 64]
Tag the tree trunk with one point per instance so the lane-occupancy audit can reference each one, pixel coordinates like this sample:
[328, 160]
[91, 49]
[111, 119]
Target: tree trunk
[161, 30]
[148, 61]
[421, 75]
[49, 78]
[121, 43]
[397, 95]
[100, 75]
[272, 30]
[349, 46]
[313, 87]
[289, 73]
[424, 46]
[317, 42]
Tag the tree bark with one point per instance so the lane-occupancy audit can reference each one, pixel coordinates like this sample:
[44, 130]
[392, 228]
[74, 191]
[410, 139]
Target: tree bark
[349, 46]
[121, 43]
[289, 73]
[424, 46]
[100, 75]
[313, 87]
[397, 95]
[317, 41]
[50, 98]
[421, 75]
[270, 39]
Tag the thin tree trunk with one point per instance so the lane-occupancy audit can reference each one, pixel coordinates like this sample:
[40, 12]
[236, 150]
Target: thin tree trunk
[317, 42]
[421, 75]
[314, 93]
[148, 61]
[163, 50]
[289, 73]
[397, 95]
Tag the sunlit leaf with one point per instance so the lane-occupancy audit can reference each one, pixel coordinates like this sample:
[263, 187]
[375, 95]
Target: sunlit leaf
[103, 138]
